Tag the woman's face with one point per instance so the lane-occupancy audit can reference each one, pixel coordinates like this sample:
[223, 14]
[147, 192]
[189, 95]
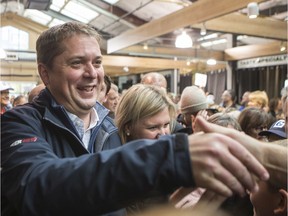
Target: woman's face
[253, 103]
[151, 127]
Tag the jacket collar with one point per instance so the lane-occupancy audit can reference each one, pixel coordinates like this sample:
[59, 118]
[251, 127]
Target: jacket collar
[46, 100]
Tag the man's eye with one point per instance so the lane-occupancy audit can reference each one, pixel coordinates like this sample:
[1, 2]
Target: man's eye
[98, 63]
[76, 63]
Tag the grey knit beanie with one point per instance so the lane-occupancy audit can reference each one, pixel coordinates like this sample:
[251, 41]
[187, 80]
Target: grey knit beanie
[193, 99]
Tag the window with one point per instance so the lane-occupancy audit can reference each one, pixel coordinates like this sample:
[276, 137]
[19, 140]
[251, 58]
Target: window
[14, 39]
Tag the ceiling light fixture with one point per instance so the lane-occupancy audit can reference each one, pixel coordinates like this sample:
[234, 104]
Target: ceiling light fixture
[203, 30]
[211, 61]
[252, 10]
[111, 1]
[126, 69]
[183, 40]
[282, 47]
[145, 46]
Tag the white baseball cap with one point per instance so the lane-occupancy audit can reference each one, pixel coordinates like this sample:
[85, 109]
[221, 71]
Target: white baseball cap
[5, 86]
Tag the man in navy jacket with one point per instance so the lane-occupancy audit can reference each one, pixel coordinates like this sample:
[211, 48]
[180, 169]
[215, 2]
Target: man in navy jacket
[55, 158]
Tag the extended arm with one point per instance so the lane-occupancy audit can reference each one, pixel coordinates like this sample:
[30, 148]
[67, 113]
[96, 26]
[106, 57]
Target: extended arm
[272, 156]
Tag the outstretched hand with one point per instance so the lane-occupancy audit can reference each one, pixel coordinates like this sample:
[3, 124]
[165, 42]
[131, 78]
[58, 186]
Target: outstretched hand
[223, 164]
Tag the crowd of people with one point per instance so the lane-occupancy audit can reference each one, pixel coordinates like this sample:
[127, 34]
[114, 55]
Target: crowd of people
[79, 147]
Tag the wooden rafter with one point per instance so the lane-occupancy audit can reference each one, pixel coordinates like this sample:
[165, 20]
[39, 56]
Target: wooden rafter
[196, 13]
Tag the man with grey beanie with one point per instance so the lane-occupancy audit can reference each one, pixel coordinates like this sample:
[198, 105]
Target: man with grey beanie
[193, 99]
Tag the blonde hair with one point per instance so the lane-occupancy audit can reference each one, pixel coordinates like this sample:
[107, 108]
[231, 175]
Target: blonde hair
[141, 101]
[260, 98]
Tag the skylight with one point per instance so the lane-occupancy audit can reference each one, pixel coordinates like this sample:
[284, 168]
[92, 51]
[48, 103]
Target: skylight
[56, 22]
[57, 5]
[37, 16]
[211, 43]
[79, 12]
[111, 1]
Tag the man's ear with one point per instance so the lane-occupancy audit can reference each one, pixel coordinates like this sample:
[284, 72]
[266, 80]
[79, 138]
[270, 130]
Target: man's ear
[281, 208]
[193, 118]
[194, 126]
[43, 72]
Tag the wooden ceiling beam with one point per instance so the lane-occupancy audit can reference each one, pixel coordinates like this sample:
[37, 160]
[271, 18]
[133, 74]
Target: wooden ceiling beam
[12, 19]
[253, 51]
[198, 12]
[171, 52]
[238, 23]
[118, 71]
[121, 61]
[142, 65]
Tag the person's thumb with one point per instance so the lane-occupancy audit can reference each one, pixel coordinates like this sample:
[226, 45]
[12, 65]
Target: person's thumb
[204, 125]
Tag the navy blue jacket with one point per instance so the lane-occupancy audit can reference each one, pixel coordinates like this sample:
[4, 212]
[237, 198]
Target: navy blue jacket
[47, 171]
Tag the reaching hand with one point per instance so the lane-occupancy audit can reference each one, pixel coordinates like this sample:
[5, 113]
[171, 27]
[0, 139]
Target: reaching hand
[222, 164]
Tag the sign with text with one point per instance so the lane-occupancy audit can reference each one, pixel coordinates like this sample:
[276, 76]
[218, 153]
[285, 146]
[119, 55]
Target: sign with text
[263, 61]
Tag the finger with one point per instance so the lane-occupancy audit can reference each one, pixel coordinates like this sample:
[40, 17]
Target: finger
[179, 194]
[235, 167]
[215, 185]
[181, 203]
[230, 179]
[251, 144]
[242, 163]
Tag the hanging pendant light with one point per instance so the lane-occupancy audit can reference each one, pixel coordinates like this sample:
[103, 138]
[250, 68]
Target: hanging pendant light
[252, 10]
[211, 61]
[183, 40]
[203, 30]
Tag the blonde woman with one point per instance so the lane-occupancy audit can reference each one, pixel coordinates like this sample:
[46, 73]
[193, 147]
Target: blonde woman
[144, 112]
[259, 99]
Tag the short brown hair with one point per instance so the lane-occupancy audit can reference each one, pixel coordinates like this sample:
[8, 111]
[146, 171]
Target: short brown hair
[49, 44]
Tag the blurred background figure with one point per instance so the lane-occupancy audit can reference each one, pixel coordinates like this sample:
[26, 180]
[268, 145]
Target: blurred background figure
[193, 100]
[228, 103]
[35, 92]
[5, 97]
[19, 100]
[259, 99]
[210, 99]
[102, 97]
[275, 108]
[244, 100]
[254, 120]
[275, 132]
[155, 78]
[284, 100]
[225, 120]
[112, 100]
